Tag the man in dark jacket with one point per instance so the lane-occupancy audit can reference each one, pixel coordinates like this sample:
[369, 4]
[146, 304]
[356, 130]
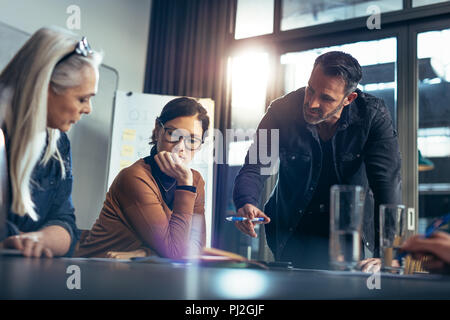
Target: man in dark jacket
[329, 133]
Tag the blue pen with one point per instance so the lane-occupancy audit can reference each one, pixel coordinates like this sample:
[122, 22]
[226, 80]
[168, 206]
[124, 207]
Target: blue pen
[439, 222]
[234, 218]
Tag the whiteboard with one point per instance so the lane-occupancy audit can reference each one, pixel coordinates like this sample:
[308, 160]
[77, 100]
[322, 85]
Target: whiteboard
[133, 122]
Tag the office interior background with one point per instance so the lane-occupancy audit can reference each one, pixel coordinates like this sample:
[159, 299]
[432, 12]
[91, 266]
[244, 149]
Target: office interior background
[243, 54]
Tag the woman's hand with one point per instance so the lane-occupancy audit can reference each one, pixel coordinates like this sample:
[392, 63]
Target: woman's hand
[126, 255]
[171, 164]
[31, 244]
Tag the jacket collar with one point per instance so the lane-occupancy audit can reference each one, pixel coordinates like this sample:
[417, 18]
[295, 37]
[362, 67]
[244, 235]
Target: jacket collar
[351, 113]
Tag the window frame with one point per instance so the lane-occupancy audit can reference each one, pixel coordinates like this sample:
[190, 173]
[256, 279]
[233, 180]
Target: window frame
[403, 24]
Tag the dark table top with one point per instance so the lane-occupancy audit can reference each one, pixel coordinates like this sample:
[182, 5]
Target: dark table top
[31, 278]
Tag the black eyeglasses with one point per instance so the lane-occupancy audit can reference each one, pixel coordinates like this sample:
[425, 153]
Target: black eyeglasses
[82, 48]
[174, 135]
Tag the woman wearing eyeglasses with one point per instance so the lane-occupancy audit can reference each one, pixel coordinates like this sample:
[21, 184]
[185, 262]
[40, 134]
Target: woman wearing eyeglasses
[156, 206]
[44, 90]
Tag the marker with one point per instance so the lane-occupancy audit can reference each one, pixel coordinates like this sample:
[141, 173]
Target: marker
[234, 218]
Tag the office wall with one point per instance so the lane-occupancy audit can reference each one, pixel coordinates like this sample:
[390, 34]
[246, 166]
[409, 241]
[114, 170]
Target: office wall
[119, 27]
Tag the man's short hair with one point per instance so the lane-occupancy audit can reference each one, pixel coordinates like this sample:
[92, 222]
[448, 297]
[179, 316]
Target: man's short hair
[338, 63]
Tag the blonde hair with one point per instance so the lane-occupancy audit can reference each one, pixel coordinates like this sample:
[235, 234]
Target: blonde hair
[45, 61]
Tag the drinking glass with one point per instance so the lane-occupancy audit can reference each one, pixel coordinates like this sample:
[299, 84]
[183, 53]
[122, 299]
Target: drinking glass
[346, 210]
[392, 235]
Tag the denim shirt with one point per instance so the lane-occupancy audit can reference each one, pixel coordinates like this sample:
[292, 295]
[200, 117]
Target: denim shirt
[52, 197]
[365, 152]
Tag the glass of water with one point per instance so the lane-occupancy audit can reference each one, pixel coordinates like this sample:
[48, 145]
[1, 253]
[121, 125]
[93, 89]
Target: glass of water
[392, 235]
[346, 211]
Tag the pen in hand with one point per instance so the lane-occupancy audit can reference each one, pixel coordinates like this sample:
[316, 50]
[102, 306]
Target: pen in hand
[234, 218]
[429, 231]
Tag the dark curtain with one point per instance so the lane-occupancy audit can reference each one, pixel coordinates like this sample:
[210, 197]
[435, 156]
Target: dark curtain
[187, 50]
[187, 56]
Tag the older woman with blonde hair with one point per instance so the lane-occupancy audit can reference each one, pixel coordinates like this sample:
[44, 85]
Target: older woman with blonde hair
[46, 88]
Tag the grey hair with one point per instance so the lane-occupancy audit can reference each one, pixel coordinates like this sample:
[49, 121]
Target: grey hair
[37, 66]
[338, 63]
[67, 73]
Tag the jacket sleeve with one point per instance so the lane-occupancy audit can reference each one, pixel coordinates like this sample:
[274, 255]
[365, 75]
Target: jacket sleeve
[383, 163]
[11, 229]
[198, 227]
[62, 211]
[249, 183]
[167, 236]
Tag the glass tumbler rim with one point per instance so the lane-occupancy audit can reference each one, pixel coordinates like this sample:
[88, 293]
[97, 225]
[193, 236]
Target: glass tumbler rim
[392, 205]
[346, 187]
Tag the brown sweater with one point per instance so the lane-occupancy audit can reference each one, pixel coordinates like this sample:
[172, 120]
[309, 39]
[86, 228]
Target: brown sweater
[134, 216]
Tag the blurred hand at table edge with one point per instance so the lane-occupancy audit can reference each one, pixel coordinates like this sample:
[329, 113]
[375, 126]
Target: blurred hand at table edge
[371, 265]
[250, 211]
[436, 248]
[50, 241]
[126, 255]
[145, 252]
[30, 244]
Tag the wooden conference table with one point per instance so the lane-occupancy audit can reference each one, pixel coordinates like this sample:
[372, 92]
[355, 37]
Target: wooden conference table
[30, 278]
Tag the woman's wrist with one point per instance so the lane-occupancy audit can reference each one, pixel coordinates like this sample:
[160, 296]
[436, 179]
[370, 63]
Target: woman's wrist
[186, 179]
[185, 182]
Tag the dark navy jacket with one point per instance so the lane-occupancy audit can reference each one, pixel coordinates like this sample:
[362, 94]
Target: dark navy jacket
[52, 197]
[365, 152]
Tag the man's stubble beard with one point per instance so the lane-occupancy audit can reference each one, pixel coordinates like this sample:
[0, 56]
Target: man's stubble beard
[321, 119]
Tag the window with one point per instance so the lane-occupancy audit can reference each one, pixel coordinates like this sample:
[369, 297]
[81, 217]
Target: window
[254, 18]
[434, 142]
[378, 61]
[303, 13]
[249, 74]
[433, 53]
[419, 3]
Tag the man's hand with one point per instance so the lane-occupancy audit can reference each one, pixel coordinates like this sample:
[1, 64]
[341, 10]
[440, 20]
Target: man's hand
[250, 211]
[30, 244]
[436, 248]
[370, 265]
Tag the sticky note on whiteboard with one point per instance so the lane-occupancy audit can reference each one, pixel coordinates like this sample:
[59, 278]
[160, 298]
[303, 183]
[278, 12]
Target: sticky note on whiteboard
[125, 163]
[127, 151]
[129, 135]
